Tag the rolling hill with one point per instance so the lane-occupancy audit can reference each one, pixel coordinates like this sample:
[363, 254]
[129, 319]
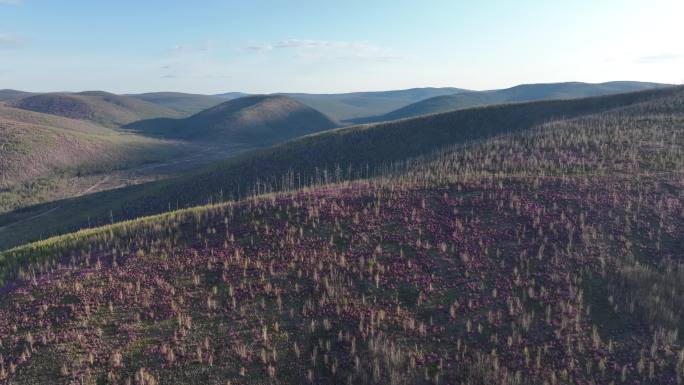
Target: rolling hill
[38, 149]
[7, 95]
[348, 106]
[186, 104]
[521, 93]
[345, 107]
[548, 252]
[342, 154]
[251, 120]
[96, 106]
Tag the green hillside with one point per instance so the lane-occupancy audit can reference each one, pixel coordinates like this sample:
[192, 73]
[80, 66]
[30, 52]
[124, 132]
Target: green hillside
[345, 153]
[40, 152]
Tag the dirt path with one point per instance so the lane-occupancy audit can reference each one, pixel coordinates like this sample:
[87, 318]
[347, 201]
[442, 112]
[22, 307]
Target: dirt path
[48, 211]
[93, 187]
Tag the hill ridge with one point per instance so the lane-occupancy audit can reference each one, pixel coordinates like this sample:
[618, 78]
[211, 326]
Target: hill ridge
[98, 106]
[517, 93]
[254, 120]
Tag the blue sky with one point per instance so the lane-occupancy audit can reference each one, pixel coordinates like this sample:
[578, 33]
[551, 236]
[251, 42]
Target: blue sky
[334, 46]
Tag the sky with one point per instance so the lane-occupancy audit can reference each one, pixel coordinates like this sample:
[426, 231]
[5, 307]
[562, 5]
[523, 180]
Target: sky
[330, 46]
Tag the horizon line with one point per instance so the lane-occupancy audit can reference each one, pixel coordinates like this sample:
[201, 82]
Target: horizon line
[342, 92]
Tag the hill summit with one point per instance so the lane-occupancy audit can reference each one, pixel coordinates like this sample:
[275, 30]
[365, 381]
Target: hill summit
[254, 120]
[96, 106]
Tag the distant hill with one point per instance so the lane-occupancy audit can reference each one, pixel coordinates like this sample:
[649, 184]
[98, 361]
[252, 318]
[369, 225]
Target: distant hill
[6, 95]
[186, 104]
[345, 107]
[231, 95]
[96, 106]
[35, 146]
[253, 120]
[521, 93]
[348, 106]
[344, 153]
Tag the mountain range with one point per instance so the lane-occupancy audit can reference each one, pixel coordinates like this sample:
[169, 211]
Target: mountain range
[344, 108]
[521, 93]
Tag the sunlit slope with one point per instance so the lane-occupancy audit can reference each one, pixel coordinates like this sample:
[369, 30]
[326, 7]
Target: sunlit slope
[96, 106]
[34, 144]
[37, 149]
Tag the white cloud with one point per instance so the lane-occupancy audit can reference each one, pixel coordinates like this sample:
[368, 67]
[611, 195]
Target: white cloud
[190, 63]
[8, 41]
[259, 47]
[303, 43]
[191, 48]
[329, 49]
[194, 76]
[663, 57]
